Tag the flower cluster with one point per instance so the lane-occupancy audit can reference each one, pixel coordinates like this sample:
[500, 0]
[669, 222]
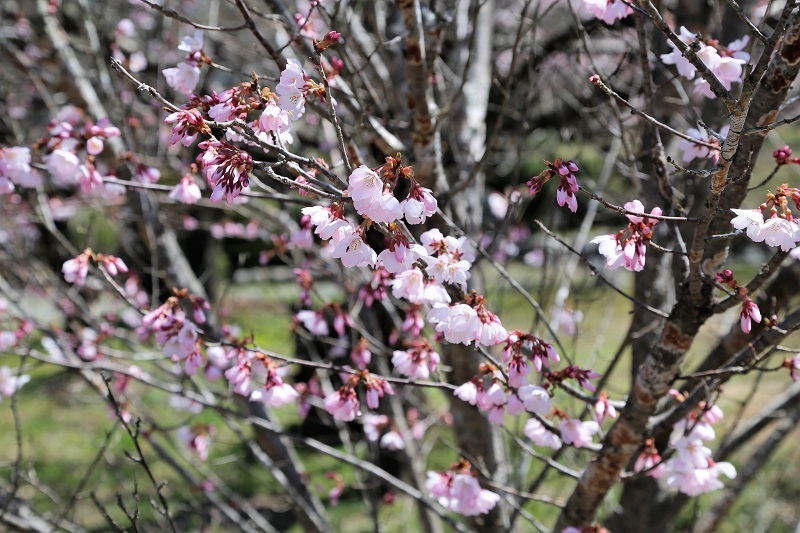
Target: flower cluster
[468, 322]
[184, 77]
[522, 348]
[374, 425]
[568, 186]
[750, 311]
[417, 362]
[693, 150]
[783, 156]
[187, 124]
[275, 392]
[458, 490]
[15, 169]
[11, 382]
[197, 438]
[375, 200]
[449, 259]
[73, 145]
[75, 270]
[497, 399]
[344, 405]
[227, 169]
[608, 10]
[628, 247]
[781, 228]
[175, 332]
[725, 63]
[691, 469]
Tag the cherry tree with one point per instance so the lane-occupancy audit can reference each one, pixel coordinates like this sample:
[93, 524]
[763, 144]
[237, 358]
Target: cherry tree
[463, 343]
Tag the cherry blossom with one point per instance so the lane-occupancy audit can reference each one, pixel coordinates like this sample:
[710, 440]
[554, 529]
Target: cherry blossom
[469, 391]
[192, 43]
[400, 257]
[577, 432]
[365, 188]
[419, 205]
[343, 404]
[460, 492]
[275, 391]
[691, 469]
[540, 435]
[376, 387]
[628, 247]
[603, 409]
[64, 166]
[183, 78]
[352, 249]
[693, 150]
[750, 313]
[751, 220]
[535, 399]
[75, 270]
[314, 322]
[567, 187]
[11, 381]
[188, 123]
[197, 439]
[607, 10]
[458, 323]
[290, 89]
[114, 265]
[186, 191]
[227, 169]
[650, 460]
[726, 63]
[418, 362]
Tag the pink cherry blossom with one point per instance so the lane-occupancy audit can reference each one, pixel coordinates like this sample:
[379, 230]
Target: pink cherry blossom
[365, 188]
[458, 323]
[343, 404]
[326, 220]
[186, 191]
[418, 362]
[11, 381]
[64, 166]
[567, 187]
[182, 78]
[750, 313]
[400, 257]
[578, 433]
[197, 439]
[227, 169]
[535, 399]
[468, 392]
[188, 123]
[603, 409]
[275, 391]
[352, 249]
[607, 10]
[540, 435]
[460, 492]
[628, 247]
[419, 205]
[114, 265]
[75, 270]
[314, 322]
